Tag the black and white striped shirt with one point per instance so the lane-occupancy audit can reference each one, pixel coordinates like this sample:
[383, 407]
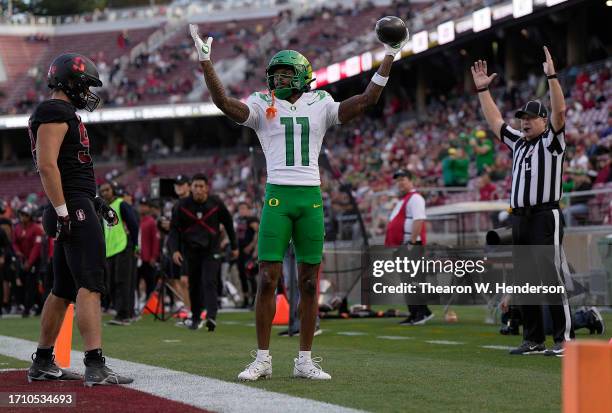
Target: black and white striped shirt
[537, 166]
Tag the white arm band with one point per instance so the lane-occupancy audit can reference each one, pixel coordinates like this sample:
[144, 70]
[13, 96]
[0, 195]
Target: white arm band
[380, 80]
[61, 210]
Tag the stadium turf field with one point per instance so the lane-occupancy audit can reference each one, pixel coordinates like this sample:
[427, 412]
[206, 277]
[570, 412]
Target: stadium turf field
[376, 364]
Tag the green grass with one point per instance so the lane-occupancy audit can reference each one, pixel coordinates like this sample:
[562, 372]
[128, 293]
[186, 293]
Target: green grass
[368, 373]
[11, 363]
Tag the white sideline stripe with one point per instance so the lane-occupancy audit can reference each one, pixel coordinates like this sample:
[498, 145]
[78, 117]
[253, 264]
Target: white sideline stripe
[198, 391]
[498, 347]
[351, 333]
[395, 337]
[445, 342]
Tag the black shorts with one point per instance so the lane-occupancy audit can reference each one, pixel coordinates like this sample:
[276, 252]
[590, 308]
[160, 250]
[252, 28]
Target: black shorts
[79, 262]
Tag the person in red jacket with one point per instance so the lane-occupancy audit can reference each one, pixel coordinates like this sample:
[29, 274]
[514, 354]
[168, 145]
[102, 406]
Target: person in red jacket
[407, 227]
[27, 242]
[149, 245]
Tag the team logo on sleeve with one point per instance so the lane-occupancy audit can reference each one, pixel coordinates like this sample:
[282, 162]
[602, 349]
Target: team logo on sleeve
[80, 214]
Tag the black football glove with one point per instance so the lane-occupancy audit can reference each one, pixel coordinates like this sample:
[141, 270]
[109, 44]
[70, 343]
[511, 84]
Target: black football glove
[106, 212]
[63, 228]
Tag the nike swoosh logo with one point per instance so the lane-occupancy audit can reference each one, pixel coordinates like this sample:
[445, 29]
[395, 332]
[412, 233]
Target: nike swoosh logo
[316, 205]
[57, 373]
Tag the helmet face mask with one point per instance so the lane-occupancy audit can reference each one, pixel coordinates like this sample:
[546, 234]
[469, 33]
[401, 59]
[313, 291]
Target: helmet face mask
[302, 73]
[74, 74]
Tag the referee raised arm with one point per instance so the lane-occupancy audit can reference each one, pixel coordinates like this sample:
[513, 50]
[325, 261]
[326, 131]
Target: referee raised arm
[538, 150]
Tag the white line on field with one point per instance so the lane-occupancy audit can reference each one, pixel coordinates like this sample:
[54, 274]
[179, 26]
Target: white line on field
[395, 337]
[199, 391]
[444, 342]
[498, 347]
[351, 333]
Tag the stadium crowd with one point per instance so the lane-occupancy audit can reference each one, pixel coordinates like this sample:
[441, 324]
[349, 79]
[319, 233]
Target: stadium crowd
[447, 148]
[323, 34]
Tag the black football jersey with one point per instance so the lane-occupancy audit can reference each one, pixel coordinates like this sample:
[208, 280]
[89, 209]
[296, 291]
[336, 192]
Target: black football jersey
[74, 162]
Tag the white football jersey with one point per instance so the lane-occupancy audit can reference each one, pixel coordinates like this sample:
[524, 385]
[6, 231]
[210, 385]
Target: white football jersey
[291, 141]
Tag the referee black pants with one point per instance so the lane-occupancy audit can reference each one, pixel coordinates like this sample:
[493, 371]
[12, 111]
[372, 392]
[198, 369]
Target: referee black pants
[543, 228]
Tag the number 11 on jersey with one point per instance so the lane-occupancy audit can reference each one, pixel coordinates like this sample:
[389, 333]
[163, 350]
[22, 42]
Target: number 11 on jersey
[288, 123]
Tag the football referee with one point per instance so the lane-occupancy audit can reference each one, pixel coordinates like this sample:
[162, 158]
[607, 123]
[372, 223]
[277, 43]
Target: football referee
[537, 168]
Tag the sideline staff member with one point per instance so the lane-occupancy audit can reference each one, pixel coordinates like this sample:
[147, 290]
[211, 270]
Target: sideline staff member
[195, 231]
[537, 170]
[407, 227]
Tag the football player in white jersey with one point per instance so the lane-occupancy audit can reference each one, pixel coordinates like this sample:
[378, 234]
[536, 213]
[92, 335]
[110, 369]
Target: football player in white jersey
[290, 122]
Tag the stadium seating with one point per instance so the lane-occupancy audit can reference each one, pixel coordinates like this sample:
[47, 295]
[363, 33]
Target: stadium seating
[323, 34]
[21, 183]
[101, 47]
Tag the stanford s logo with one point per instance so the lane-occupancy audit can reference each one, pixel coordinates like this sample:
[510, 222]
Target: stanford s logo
[78, 65]
[80, 214]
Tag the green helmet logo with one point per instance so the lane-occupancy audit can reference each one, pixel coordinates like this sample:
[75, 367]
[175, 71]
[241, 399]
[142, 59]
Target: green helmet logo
[302, 73]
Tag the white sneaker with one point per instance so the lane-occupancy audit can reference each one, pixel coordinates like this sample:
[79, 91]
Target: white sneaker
[310, 369]
[257, 369]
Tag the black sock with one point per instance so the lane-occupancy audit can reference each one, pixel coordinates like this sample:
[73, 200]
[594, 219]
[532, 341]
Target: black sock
[94, 355]
[44, 353]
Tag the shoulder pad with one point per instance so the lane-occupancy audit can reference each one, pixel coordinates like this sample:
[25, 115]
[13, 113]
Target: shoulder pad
[53, 111]
[317, 96]
[258, 96]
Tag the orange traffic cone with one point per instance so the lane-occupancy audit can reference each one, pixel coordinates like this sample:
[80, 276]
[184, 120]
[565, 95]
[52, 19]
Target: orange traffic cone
[587, 377]
[152, 306]
[281, 317]
[63, 344]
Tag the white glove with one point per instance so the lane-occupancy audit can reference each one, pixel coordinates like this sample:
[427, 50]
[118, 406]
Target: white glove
[203, 48]
[395, 49]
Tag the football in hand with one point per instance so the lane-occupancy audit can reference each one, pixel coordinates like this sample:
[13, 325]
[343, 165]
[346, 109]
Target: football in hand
[391, 30]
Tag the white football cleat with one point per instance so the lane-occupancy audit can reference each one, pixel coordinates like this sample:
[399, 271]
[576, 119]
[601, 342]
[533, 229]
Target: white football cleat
[257, 369]
[310, 369]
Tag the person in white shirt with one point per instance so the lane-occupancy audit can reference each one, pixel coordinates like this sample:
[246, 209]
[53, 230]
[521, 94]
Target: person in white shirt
[407, 227]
